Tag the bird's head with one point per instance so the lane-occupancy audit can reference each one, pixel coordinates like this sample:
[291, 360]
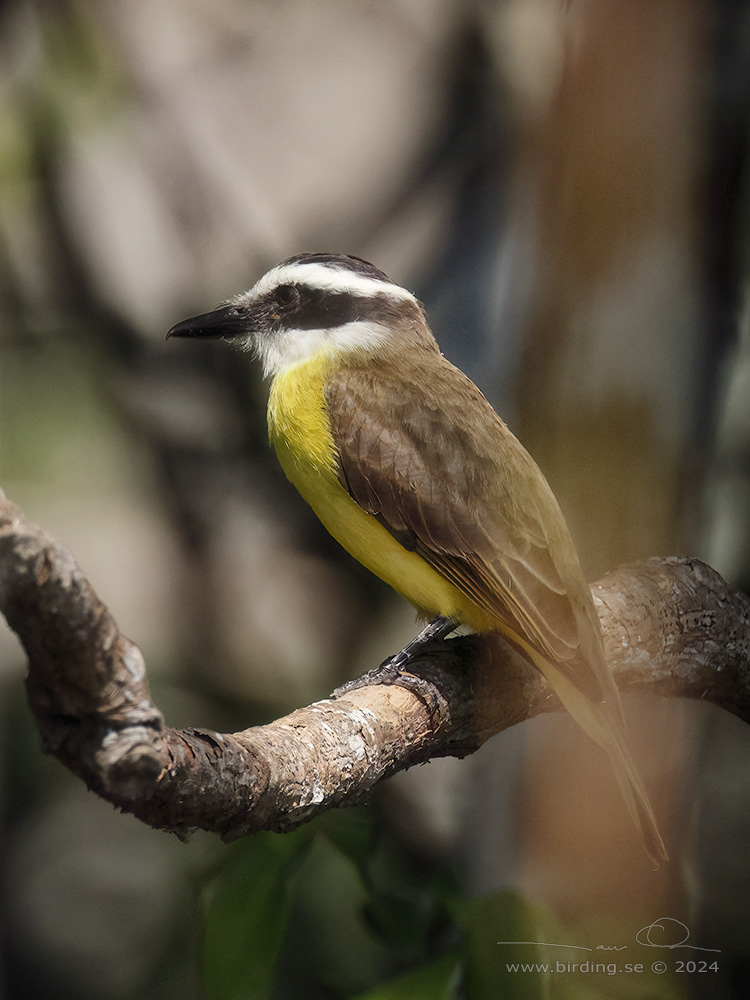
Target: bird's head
[316, 303]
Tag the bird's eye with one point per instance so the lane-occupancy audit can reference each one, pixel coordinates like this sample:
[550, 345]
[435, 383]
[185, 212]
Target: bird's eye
[286, 295]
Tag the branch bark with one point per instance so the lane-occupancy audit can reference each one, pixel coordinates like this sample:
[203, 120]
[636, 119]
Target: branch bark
[672, 627]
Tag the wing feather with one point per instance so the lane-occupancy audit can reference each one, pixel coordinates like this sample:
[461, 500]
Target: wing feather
[487, 521]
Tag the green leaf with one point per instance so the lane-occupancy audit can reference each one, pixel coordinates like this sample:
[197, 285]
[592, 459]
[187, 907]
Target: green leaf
[437, 981]
[247, 915]
[503, 931]
[351, 831]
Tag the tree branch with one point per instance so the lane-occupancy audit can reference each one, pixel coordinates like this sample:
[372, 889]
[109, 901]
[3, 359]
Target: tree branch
[672, 627]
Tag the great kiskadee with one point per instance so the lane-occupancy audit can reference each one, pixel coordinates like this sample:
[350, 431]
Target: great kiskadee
[409, 467]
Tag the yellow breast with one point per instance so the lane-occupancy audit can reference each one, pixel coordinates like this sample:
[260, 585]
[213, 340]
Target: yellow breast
[300, 433]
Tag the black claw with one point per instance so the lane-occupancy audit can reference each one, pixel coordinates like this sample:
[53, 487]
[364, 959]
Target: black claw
[394, 669]
[391, 673]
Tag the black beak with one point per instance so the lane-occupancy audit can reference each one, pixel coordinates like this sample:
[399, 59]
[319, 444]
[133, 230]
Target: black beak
[223, 322]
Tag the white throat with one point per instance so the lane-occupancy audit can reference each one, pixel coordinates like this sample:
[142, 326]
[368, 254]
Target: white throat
[288, 348]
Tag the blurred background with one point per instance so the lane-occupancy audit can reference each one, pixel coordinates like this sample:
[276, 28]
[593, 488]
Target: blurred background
[564, 184]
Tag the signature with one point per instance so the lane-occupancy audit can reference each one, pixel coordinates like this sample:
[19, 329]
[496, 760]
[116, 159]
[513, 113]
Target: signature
[664, 932]
[676, 933]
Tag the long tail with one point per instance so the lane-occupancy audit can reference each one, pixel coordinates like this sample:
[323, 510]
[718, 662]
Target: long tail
[604, 724]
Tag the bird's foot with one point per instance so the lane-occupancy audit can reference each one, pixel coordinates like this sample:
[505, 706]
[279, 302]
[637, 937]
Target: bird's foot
[394, 670]
[438, 628]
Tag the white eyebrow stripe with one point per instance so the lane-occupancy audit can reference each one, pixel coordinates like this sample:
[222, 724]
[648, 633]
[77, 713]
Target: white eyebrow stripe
[330, 279]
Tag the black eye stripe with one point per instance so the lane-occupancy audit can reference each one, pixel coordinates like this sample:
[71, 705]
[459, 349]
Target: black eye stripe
[309, 307]
[316, 309]
[286, 294]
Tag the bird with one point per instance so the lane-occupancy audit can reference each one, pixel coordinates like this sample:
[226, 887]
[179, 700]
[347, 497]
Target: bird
[409, 467]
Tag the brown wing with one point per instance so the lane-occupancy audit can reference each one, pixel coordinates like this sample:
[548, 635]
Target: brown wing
[421, 449]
